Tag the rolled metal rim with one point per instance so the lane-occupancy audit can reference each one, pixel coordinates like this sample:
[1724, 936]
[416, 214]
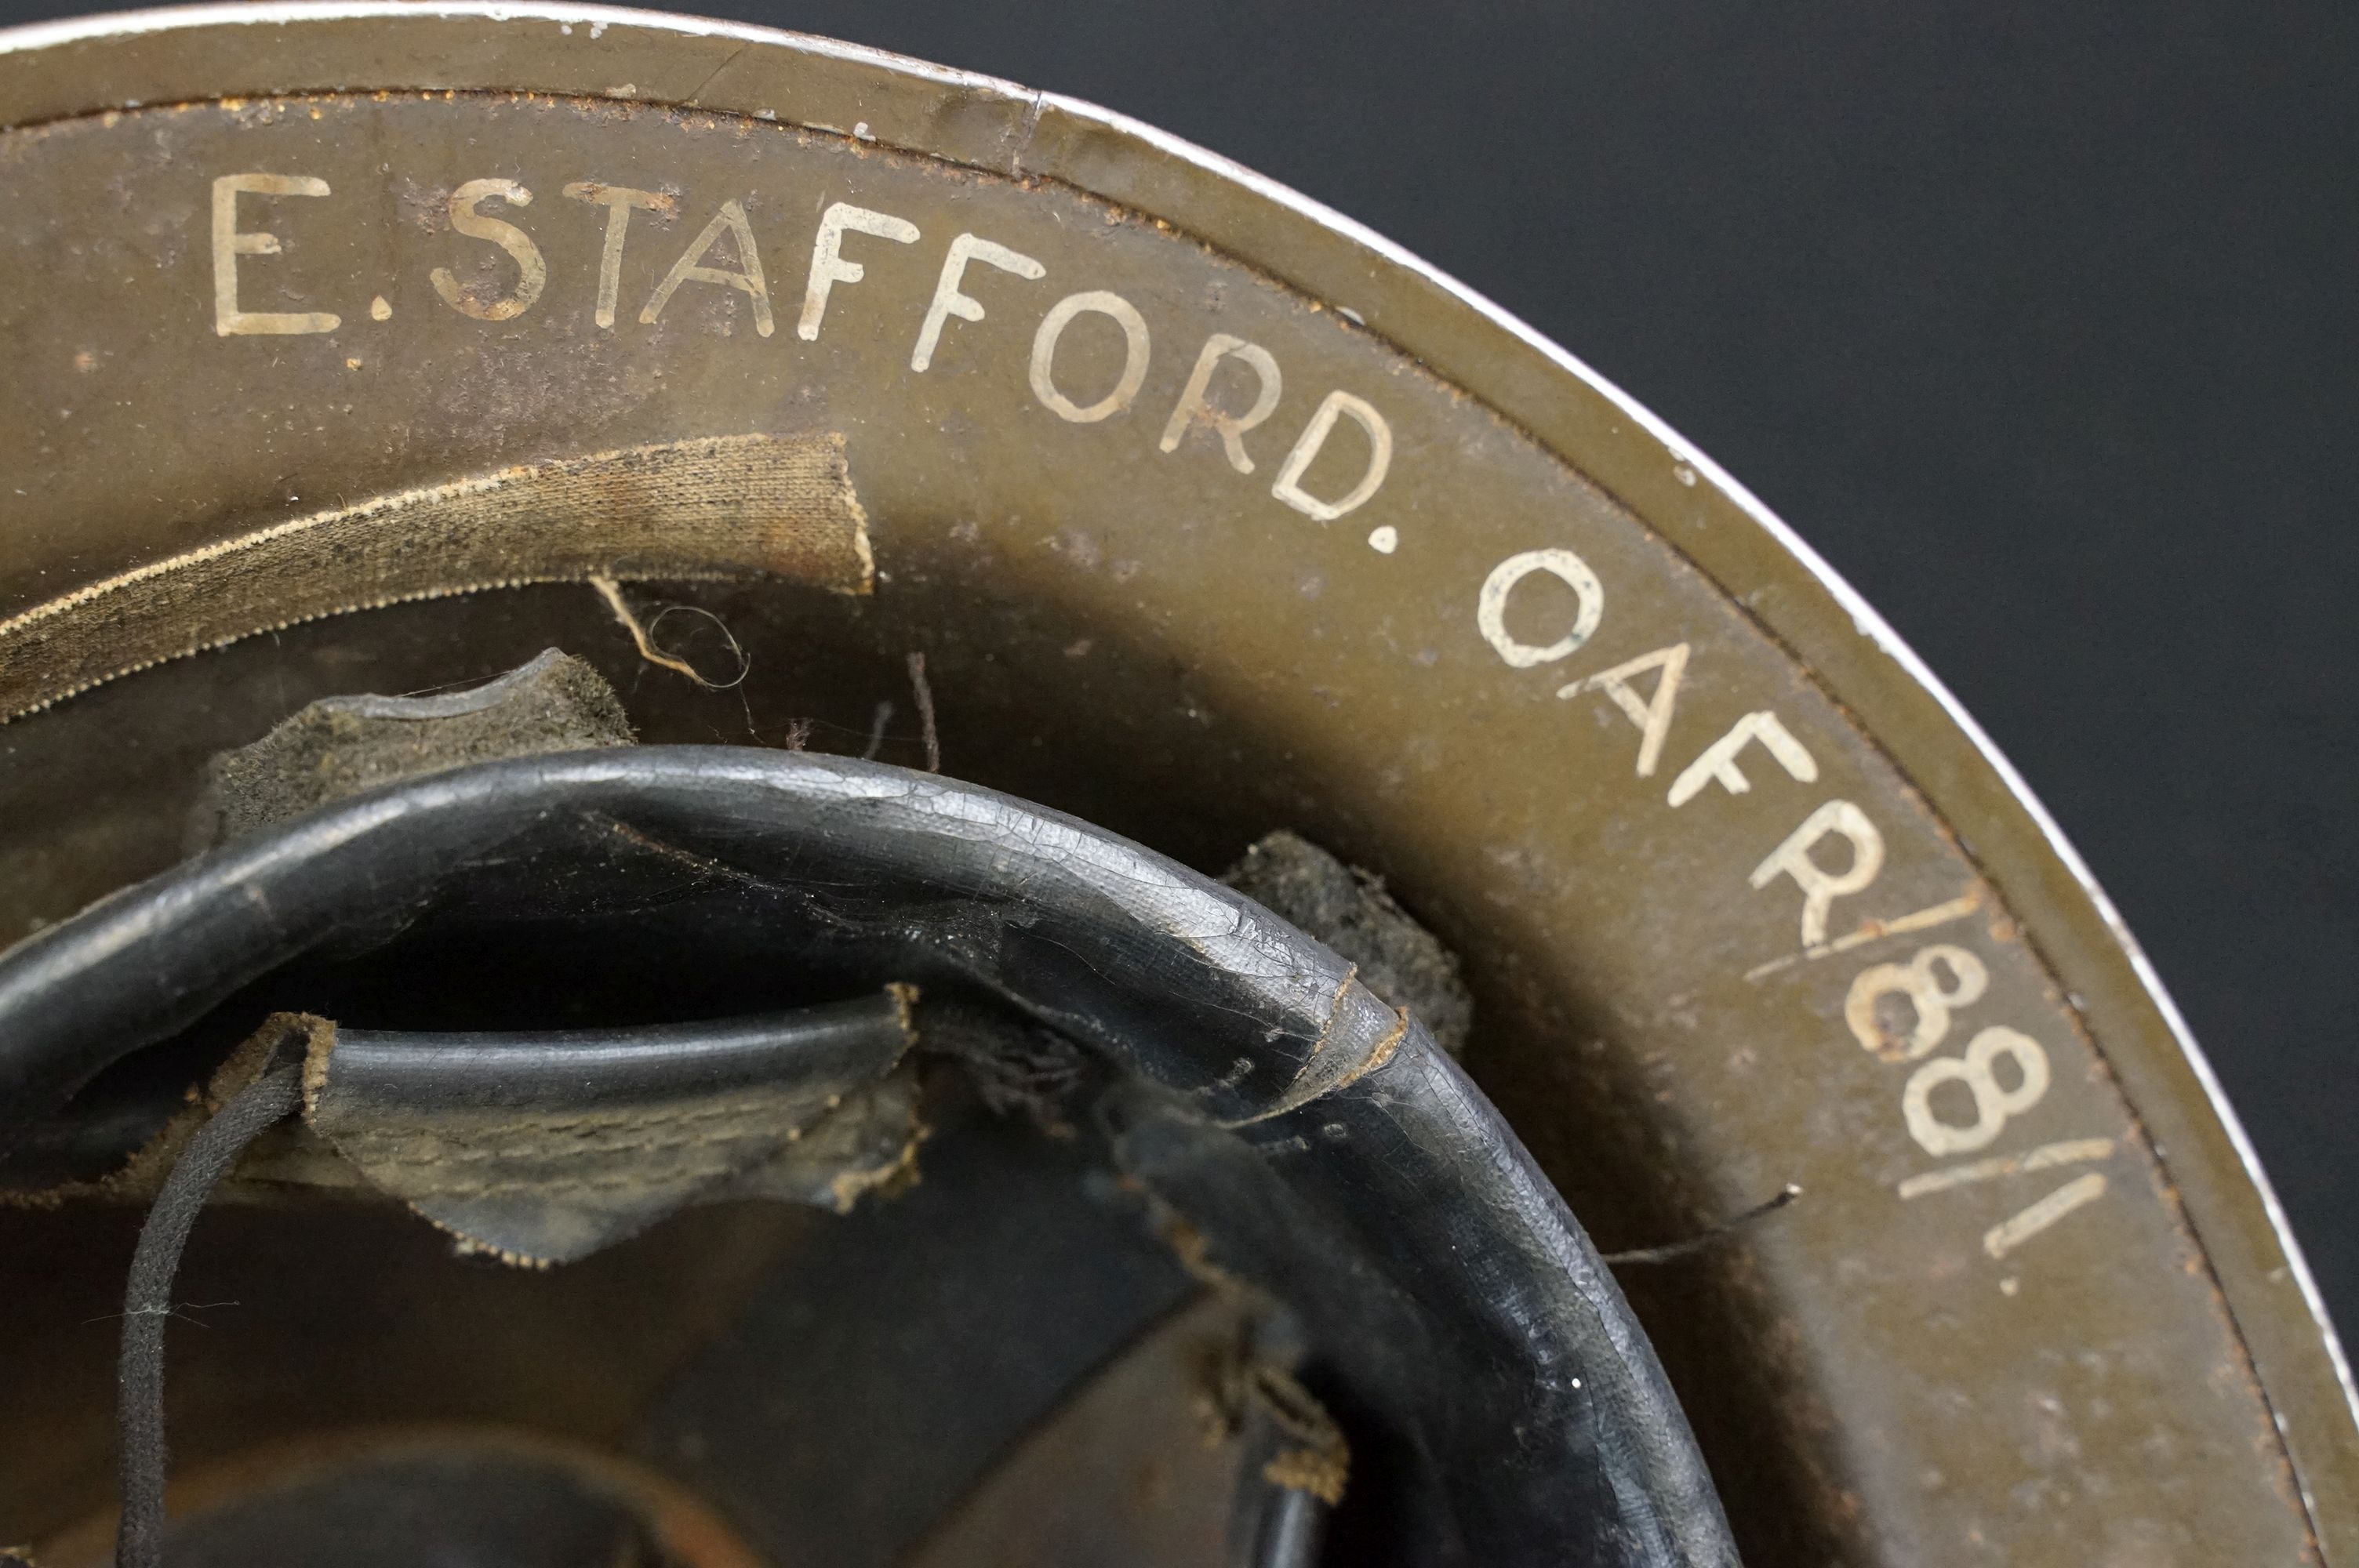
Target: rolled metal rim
[52, 71]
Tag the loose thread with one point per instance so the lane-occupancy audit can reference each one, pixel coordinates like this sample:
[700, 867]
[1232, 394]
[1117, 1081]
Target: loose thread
[644, 636]
[925, 712]
[1671, 1251]
[876, 731]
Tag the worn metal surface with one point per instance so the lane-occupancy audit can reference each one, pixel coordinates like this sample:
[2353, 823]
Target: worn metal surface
[392, 1497]
[2033, 1308]
[1141, 1467]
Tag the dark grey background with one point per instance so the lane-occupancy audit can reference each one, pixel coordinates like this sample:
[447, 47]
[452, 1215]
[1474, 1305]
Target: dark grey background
[2036, 319]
